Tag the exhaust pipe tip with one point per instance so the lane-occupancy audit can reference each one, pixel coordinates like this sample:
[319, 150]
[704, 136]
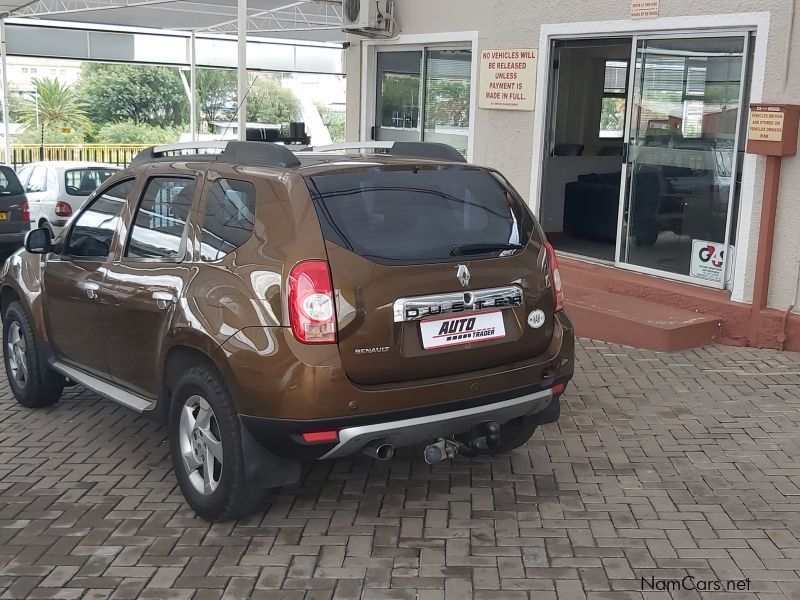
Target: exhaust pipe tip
[379, 449]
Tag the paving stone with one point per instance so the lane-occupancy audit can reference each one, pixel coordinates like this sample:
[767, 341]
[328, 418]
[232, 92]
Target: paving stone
[661, 465]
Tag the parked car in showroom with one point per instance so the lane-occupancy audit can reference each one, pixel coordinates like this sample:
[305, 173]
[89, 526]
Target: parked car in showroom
[57, 189]
[273, 307]
[15, 221]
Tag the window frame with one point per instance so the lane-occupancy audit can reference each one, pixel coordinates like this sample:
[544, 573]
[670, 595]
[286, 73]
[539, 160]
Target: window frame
[101, 191]
[183, 251]
[201, 217]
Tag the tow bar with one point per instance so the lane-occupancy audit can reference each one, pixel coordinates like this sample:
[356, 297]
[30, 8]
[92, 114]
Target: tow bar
[488, 437]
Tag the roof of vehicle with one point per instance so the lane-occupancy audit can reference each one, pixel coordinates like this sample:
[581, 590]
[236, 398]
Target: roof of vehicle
[312, 163]
[73, 164]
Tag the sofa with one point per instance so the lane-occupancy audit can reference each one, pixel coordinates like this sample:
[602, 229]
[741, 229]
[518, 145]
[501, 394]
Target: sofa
[591, 206]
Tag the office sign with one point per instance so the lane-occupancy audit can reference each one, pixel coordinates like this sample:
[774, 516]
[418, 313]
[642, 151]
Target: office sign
[507, 79]
[644, 9]
[708, 260]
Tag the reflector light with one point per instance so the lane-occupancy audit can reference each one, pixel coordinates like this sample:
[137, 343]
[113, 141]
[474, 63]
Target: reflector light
[314, 437]
[559, 388]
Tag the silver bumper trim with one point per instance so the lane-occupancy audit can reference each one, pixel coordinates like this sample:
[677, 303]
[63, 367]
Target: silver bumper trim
[408, 432]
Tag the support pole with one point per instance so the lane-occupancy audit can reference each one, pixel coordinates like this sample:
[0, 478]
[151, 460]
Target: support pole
[7, 158]
[766, 238]
[193, 86]
[241, 67]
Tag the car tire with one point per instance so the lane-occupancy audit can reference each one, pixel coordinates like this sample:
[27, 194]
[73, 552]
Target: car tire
[514, 434]
[33, 385]
[206, 446]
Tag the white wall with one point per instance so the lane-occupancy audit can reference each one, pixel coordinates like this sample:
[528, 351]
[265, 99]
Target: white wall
[504, 139]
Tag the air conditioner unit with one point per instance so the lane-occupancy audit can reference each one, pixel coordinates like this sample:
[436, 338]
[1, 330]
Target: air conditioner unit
[371, 18]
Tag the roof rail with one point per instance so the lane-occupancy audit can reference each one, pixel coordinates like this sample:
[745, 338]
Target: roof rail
[433, 150]
[251, 153]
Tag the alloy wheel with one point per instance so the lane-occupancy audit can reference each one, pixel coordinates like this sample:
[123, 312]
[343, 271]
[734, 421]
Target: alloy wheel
[201, 445]
[17, 351]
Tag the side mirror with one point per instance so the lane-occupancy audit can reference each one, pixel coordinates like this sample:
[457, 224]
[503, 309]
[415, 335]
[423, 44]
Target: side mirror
[37, 241]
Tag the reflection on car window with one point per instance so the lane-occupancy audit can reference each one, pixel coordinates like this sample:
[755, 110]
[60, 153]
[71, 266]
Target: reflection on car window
[9, 184]
[161, 218]
[82, 182]
[38, 180]
[229, 218]
[94, 229]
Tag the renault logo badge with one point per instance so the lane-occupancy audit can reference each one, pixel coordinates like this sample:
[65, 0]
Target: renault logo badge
[463, 275]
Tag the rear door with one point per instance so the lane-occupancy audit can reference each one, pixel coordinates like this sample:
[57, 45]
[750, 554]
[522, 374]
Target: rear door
[12, 202]
[436, 271]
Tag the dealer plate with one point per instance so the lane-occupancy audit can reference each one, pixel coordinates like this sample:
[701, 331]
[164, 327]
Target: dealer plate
[463, 329]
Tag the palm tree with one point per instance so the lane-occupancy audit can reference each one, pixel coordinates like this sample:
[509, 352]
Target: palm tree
[55, 105]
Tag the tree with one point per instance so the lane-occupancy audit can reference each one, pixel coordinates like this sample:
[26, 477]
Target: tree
[137, 93]
[334, 120]
[54, 107]
[128, 132]
[269, 103]
[216, 89]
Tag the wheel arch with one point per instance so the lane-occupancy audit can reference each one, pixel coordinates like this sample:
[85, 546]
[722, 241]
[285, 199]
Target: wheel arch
[184, 353]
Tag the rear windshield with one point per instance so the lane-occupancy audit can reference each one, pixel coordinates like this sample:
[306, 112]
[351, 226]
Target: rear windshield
[423, 214]
[82, 182]
[9, 182]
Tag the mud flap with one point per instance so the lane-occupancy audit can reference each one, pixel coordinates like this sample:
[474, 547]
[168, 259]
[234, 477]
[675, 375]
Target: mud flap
[264, 469]
[550, 414]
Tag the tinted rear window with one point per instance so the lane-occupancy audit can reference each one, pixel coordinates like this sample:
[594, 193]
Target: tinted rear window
[419, 215]
[9, 182]
[82, 182]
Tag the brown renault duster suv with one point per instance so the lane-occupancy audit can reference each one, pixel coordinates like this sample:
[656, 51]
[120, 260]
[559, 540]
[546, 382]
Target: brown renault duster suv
[273, 307]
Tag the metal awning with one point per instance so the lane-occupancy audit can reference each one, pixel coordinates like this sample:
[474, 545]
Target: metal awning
[305, 36]
[310, 20]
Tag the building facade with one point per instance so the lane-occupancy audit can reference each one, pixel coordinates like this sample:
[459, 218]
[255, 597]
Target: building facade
[630, 146]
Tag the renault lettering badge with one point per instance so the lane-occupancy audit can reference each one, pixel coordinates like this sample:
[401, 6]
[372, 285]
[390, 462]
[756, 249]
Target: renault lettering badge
[536, 318]
[463, 275]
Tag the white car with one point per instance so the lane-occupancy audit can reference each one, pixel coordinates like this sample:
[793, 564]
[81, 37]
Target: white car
[57, 189]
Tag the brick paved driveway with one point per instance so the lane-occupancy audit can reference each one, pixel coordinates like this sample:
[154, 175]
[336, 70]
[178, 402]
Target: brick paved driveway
[661, 465]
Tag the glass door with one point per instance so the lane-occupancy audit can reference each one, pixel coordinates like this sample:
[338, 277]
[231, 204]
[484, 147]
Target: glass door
[682, 147]
[423, 95]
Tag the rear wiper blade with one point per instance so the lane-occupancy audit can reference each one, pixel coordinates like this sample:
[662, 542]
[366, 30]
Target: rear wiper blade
[482, 248]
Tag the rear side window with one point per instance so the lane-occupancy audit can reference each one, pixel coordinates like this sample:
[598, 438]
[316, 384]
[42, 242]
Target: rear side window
[229, 218]
[421, 214]
[82, 182]
[9, 183]
[94, 228]
[161, 219]
[38, 180]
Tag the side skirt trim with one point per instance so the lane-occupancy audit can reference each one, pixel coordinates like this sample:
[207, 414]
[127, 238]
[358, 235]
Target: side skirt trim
[104, 388]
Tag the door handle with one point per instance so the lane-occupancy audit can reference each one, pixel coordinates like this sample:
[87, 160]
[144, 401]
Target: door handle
[91, 289]
[163, 299]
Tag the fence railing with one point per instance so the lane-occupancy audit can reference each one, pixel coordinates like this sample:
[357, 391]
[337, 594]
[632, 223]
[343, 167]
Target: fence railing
[115, 154]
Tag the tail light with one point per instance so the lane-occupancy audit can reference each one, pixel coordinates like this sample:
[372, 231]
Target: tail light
[63, 209]
[26, 211]
[555, 277]
[312, 313]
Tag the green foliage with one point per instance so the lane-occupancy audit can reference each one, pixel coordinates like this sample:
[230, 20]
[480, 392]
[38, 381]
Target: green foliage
[399, 97]
[137, 93]
[334, 120]
[447, 103]
[54, 107]
[128, 132]
[269, 103]
[52, 135]
[215, 89]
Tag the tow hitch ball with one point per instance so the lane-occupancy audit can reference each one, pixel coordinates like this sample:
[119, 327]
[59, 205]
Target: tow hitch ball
[486, 437]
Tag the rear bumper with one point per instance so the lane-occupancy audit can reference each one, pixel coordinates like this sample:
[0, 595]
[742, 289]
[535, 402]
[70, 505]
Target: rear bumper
[408, 432]
[16, 238]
